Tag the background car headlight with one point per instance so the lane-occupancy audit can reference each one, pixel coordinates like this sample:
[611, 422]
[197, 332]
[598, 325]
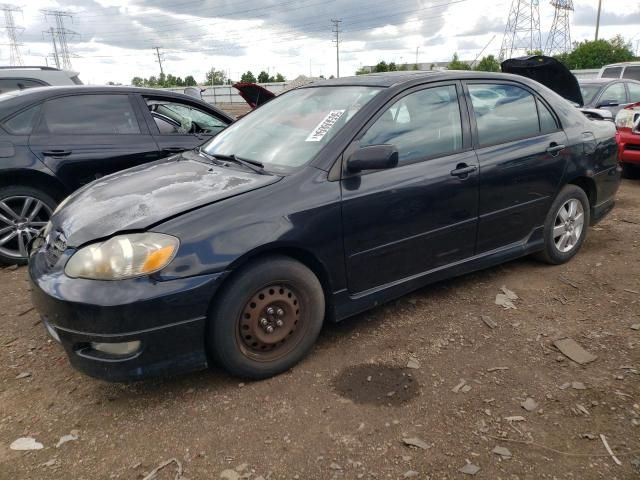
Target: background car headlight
[123, 256]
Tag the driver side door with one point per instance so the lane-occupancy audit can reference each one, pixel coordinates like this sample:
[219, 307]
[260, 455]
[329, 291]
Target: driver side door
[178, 126]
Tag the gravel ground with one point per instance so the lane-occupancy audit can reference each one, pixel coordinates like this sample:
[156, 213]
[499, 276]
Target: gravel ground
[353, 408]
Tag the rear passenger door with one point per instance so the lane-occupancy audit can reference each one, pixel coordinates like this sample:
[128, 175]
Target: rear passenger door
[179, 125]
[83, 137]
[522, 154]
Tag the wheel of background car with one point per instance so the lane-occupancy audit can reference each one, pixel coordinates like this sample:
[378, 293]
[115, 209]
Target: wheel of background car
[24, 211]
[630, 171]
[566, 225]
[266, 318]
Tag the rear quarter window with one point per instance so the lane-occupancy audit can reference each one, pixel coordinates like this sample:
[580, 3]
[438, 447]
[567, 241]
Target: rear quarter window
[11, 84]
[24, 122]
[632, 73]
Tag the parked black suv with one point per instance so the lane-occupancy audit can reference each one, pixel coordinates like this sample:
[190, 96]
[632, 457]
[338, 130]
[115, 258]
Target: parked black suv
[53, 140]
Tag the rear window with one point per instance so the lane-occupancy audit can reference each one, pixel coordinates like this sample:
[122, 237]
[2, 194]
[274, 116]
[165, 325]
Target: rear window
[589, 92]
[89, 114]
[632, 73]
[612, 72]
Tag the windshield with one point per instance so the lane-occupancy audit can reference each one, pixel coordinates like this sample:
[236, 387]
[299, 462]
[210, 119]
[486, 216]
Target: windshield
[290, 130]
[589, 91]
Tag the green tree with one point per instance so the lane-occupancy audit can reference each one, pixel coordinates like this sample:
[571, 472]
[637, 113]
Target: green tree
[215, 77]
[416, 66]
[162, 80]
[535, 52]
[179, 82]
[248, 77]
[456, 64]
[381, 67]
[152, 81]
[263, 77]
[137, 81]
[597, 53]
[189, 81]
[393, 67]
[403, 67]
[280, 78]
[362, 71]
[488, 64]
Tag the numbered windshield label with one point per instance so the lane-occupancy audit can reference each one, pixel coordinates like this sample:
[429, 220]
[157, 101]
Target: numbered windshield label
[325, 125]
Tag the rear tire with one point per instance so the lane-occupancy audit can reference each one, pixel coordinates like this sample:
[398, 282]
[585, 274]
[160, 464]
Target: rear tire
[565, 227]
[24, 211]
[266, 318]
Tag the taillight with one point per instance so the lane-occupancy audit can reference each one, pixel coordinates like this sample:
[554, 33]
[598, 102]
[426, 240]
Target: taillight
[629, 117]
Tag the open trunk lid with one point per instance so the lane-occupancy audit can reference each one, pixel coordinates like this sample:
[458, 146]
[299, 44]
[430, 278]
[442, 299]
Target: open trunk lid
[254, 94]
[549, 72]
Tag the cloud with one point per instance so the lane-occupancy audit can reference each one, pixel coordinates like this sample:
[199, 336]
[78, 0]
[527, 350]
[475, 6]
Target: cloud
[586, 16]
[485, 25]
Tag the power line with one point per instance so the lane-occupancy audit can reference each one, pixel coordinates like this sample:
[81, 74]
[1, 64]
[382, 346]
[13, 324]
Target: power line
[10, 27]
[336, 30]
[61, 33]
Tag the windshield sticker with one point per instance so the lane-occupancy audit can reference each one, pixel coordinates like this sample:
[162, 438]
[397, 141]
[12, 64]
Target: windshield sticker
[325, 125]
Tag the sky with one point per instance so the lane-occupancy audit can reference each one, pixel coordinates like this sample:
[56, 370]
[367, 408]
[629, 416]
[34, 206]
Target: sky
[114, 40]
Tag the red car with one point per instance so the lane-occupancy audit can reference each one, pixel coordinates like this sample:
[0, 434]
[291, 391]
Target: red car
[628, 138]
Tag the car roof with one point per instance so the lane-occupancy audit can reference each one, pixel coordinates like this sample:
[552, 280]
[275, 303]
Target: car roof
[603, 81]
[31, 95]
[391, 79]
[622, 64]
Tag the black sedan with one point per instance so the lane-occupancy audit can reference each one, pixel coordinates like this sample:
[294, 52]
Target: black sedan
[326, 201]
[55, 139]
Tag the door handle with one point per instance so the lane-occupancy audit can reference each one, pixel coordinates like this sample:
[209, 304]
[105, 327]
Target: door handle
[174, 149]
[56, 153]
[463, 170]
[554, 149]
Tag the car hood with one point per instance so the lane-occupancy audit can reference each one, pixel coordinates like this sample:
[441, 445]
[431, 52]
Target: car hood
[547, 71]
[254, 94]
[140, 197]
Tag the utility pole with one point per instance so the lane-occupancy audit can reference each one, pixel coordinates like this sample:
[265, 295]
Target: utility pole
[59, 35]
[598, 18]
[157, 49]
[10, 27]
[336, 30]
[417, 50]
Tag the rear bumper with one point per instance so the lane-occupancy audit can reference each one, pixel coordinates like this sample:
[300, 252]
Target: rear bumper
[168, 318]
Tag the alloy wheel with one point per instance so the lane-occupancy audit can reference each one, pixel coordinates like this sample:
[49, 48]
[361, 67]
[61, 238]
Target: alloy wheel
[21, 219]
[568, 225]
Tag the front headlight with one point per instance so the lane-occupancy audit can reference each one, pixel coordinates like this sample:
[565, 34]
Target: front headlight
[123, 256]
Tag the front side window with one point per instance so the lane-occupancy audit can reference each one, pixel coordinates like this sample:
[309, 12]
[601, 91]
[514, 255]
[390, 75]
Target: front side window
[291, 129]
[612, 72]
[89, 115]
[23, 122]
[421, 125]
[632, 73]
[614, 94]
[510, 114]
[183, 118]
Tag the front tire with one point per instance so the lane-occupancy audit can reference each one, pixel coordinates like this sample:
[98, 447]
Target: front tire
[565, 227]
[266, 318]
[24, 211]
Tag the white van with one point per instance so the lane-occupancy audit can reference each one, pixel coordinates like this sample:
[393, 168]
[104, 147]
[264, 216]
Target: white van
[629, 70]
[19, 78]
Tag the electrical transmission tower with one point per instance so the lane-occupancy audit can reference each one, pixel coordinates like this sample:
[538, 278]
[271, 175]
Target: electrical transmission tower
[559, 40]
[522, 33]
[59, 34]
[10, 27]
[336, 30]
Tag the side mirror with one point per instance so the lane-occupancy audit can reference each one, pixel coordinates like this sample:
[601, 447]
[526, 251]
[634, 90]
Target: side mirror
[375, 157]
[608, 103]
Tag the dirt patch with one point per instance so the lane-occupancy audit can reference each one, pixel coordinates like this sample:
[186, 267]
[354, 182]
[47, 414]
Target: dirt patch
[377, 384]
